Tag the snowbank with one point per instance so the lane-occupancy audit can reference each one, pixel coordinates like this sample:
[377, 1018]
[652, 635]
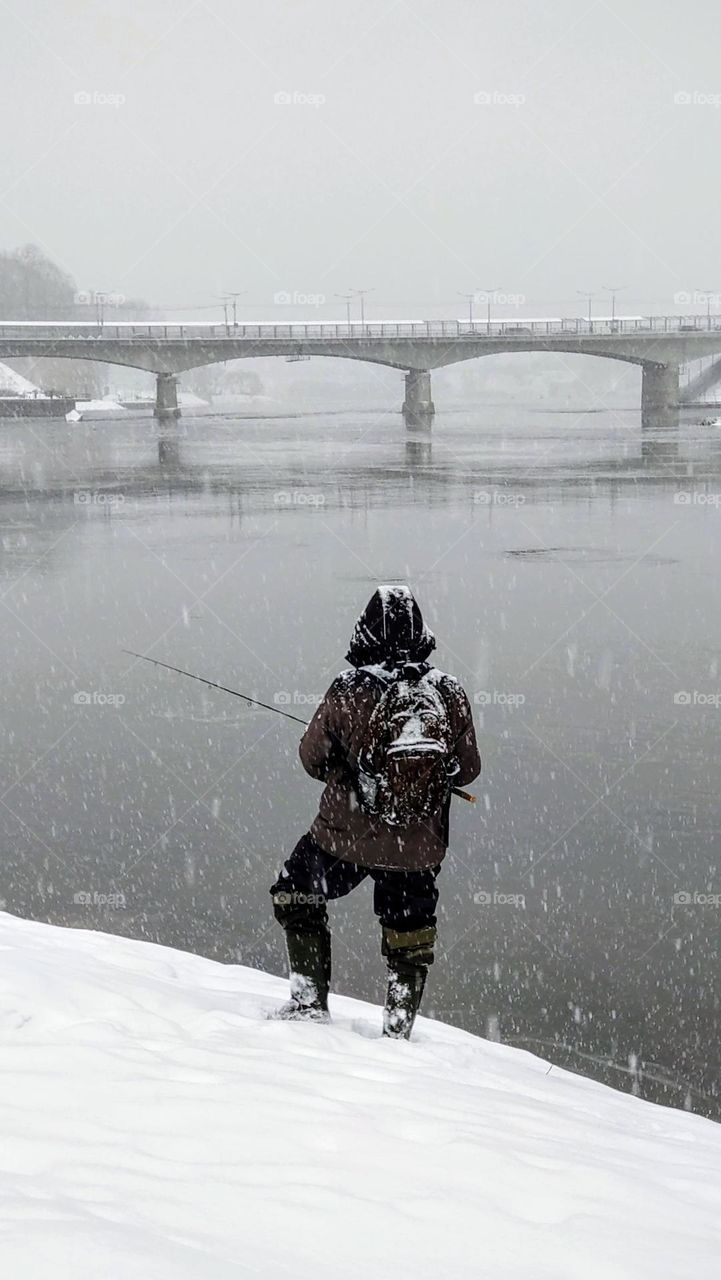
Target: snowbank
[189, 400]
[100, 408]
[154, 1125]
[14, 384]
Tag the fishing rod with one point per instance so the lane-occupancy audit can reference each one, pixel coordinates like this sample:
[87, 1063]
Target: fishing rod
[253, 702]
[212, 684]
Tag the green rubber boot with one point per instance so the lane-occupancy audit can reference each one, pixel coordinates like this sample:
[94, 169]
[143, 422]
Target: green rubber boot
[409, 956]
[309, 972]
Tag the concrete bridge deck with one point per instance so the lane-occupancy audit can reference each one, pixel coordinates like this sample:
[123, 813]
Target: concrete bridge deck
[660, 344]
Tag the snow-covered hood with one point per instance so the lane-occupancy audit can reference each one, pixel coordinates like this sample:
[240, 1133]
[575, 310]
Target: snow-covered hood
[390, 629]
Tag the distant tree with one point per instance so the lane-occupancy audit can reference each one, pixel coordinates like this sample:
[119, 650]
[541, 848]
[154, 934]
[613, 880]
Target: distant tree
[222, 379]
[243, 381]
[205, 381]
[33, 287]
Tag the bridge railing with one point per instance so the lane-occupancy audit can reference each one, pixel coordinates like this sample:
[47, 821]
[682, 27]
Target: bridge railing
[372, 331]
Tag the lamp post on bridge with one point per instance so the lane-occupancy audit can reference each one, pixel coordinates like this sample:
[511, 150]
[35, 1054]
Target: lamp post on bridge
[223, 298]
[361, 293]
[489, 296]
[708, 295]
[347, 299]
[584, 293]
[613, 289]
[470, 297]
[234, 297]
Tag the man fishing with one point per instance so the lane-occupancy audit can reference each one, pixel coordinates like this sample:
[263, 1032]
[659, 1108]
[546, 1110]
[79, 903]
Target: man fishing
[391, 739]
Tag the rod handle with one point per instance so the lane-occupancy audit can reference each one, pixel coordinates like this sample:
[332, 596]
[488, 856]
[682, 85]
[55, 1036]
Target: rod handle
[463, 795]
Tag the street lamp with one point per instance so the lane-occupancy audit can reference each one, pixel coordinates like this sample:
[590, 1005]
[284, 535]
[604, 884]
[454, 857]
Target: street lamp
[471, 299]
[709, 295]
[347, 299]
[361, 293]
[584, 293]
[234, 297]
[613, 289]
[223, 298]
[489, 295]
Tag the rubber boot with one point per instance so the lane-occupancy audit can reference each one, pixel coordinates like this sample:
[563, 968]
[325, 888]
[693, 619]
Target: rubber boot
[309, 972]
[403, 998]
[409, 956]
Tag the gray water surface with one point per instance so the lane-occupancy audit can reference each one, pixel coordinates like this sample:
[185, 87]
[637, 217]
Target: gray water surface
[568, 564]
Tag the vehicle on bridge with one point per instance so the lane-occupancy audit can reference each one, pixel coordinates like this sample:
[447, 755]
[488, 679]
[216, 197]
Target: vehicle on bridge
[525, 326]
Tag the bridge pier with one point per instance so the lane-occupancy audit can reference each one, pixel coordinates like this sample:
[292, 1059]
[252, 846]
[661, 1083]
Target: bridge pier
[703, 382]
[418, 404]
[659, 392]
[166, 397]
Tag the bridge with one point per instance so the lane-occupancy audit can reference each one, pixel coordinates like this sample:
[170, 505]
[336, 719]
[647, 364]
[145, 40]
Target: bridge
[659, 344]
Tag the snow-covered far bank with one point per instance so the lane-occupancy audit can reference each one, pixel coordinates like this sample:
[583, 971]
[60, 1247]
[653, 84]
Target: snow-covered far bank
[107, 407]
[155, 1125]
[14, 384]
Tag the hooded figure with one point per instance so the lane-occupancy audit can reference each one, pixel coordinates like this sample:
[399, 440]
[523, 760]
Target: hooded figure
[390, 629]
[346, 843]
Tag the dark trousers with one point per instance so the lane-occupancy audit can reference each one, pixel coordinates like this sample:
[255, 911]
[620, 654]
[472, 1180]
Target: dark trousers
[402, 900]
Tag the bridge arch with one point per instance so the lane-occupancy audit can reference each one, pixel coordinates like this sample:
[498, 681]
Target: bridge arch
[659, 345]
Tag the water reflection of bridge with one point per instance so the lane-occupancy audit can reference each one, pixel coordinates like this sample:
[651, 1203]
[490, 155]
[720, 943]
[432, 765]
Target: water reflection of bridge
[422, 469]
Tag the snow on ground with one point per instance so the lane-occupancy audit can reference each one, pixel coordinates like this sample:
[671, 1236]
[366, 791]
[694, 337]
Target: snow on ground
[14, 384]
[99, 408]
[154, 1125]
[189, 400]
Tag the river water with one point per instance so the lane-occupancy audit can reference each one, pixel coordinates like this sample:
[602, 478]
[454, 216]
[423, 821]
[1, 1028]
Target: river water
[567, 562]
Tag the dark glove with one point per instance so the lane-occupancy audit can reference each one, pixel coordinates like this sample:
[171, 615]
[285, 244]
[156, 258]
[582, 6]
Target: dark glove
[338, 768]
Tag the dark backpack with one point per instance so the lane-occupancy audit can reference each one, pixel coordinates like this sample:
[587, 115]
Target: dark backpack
[408, 756]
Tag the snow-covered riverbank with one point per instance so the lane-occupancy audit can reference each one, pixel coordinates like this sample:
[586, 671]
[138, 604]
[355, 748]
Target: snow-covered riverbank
[155, 1125]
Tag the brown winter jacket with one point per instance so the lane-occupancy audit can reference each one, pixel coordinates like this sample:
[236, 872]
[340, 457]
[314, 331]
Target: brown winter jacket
[336, 734]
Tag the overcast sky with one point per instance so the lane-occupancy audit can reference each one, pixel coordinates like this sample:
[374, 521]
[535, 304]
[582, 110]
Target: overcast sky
[428, 147]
